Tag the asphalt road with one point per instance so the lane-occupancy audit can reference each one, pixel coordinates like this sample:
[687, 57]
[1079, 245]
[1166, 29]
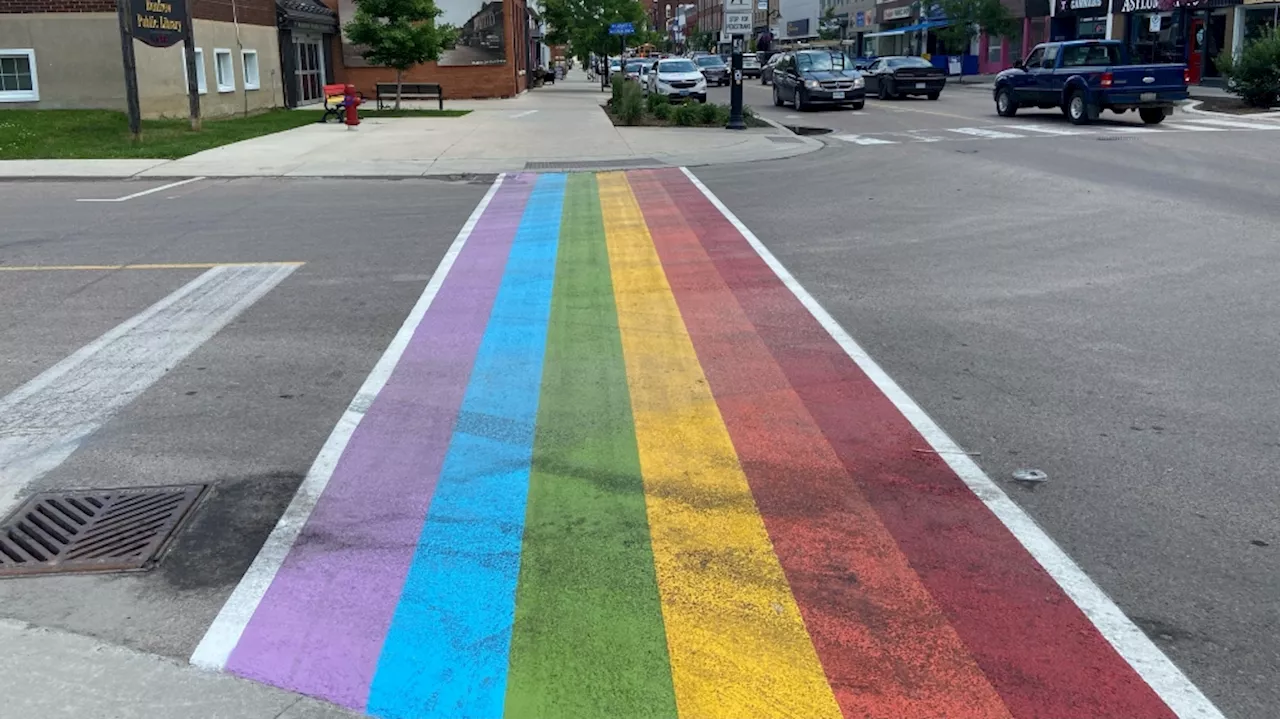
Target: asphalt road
[1098, 306]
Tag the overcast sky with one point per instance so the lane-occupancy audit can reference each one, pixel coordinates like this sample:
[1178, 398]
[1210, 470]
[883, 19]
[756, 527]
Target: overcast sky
[458, 12]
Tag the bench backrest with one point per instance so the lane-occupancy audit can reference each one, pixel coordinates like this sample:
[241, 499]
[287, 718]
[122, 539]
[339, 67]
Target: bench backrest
[338, 89]
[409, 88]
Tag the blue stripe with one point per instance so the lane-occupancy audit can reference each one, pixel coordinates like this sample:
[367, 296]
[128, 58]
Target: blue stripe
[446, 652]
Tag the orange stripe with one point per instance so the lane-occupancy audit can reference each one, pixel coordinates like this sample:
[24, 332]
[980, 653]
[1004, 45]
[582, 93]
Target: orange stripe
[886, 648]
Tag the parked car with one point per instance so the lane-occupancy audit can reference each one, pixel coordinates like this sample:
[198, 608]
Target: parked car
[766, 71]
[637, 69]
[714, 69]
[817, 77]
[899, 76]
[1085, 77]
[678, 78]
[750, 65]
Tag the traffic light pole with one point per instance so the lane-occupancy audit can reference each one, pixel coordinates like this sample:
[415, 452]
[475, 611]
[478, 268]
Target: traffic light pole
[736, 121]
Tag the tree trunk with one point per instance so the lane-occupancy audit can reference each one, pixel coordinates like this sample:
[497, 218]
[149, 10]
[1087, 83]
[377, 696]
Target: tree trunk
[399, 84]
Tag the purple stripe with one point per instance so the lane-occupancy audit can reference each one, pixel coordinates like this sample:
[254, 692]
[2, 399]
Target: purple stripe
[320, 627]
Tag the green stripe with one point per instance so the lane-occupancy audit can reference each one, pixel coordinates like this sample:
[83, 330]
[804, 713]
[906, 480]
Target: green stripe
[588, 638]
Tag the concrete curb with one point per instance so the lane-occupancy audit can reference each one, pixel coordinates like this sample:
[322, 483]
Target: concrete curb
[1193, 107]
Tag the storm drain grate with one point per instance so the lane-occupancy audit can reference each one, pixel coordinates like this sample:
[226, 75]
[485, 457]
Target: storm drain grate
[594, 164]
[783, 140]
[94, 530]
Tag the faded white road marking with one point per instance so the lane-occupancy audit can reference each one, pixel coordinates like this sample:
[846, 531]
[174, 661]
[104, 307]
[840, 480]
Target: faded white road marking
[984, 133]
[1047, 130]
[519, 115]
[1161, 674]
[147, 192]
[1192, 128]
[861, 140]
[44, 421]
[1231, 123]
[223, 635]
[1131, 129]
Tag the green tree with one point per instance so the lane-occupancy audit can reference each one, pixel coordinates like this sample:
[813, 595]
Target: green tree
[1255, 74]
[583, 25]
[399, 34]
[699, 40]
[829, 26]
[970, 17]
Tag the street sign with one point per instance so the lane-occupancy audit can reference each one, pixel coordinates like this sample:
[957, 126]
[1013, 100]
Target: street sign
[158, 23]
[737, 23]
[622, 28]
[737, 5]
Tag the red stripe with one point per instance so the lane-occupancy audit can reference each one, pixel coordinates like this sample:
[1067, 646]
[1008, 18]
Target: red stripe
[1033, 643]
[885, 646]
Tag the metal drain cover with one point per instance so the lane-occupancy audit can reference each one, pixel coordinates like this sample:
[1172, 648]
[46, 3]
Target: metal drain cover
[93, 530]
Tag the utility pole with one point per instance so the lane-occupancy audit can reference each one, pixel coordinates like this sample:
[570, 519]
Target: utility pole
[193, 81]
[737, 24]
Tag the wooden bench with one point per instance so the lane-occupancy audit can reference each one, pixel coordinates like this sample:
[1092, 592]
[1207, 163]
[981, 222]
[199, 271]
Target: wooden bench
[386, 92]
[333, 97]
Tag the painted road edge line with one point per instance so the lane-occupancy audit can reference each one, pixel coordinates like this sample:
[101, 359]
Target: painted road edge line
[1160, 673]
[225, 631]
[145, 192]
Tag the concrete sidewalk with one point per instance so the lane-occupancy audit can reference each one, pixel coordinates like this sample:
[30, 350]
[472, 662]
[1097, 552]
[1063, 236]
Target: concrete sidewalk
[559, 126]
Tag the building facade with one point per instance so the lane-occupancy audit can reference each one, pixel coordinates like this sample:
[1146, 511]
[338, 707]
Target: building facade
[65, 54]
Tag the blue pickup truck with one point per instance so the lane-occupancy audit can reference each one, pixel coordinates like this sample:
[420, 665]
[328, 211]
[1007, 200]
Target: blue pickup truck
[1085, 77]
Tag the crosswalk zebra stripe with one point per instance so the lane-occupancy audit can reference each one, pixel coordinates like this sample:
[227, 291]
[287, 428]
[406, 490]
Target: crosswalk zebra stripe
[1049, 130]
[1133, 129]
[984, 133]
[1192, 128]
[860, 140]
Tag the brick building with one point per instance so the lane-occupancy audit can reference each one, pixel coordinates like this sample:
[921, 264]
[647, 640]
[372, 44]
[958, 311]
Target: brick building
[66, 54]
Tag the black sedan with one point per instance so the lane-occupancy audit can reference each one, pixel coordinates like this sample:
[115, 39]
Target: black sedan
[817, 77]
[894, 77]
[714, 69]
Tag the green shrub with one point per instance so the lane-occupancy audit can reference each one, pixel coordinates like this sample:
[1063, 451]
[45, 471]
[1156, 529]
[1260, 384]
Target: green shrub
[618, 83]
[663, 110]
[708, 113]
[655, 101]
[687, 115]
[630, 107]
[1255, 75]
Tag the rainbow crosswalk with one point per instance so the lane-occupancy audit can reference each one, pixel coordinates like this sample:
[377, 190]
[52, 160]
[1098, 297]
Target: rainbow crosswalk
[622, 470]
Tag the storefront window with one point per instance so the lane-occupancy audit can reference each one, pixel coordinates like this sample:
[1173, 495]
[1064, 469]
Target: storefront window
[994, 48]
[1259, 23]
[1165, 44]
[1092, 28]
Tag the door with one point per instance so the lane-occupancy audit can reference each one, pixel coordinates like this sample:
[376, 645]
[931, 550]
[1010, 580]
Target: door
[872, 77]
[1196, 55]
[309, 62]
[1025, 84]
[784, 77]
[1048, 90]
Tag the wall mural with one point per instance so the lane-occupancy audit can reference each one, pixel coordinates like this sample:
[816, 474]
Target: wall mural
[481, 33]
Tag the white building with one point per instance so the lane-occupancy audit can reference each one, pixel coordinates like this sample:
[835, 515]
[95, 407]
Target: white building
[798, 19]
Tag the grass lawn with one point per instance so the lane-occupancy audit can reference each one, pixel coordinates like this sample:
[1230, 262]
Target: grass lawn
[87, 134]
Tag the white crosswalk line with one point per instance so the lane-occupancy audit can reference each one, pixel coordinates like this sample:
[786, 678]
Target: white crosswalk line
[1233, 123]
[860, 140]
[1132, 129]
[1192, 128]
[1045, 129]
[984, 133]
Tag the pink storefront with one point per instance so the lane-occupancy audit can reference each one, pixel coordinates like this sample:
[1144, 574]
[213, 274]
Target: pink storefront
[999, 53]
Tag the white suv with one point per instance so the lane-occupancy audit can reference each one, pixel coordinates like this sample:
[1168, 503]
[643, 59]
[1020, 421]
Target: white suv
[678, 78]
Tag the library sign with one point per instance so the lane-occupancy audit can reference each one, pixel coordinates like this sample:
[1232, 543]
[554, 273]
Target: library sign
[157, 23]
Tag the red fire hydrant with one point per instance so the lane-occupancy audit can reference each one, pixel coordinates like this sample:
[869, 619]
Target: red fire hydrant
[351, 101]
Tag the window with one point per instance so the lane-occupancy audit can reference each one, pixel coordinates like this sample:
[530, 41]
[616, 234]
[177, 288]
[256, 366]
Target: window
[995, 50]
[1035, 59]
[18, 76]
[202, 83]
[223, 71]
[249, 58]
[1050, 56]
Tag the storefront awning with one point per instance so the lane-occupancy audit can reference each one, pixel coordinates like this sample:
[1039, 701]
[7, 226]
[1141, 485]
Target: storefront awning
[926, 25]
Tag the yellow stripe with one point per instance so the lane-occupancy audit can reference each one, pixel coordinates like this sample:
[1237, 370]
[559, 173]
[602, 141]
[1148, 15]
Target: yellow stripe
[170, 266]
[738, 645]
